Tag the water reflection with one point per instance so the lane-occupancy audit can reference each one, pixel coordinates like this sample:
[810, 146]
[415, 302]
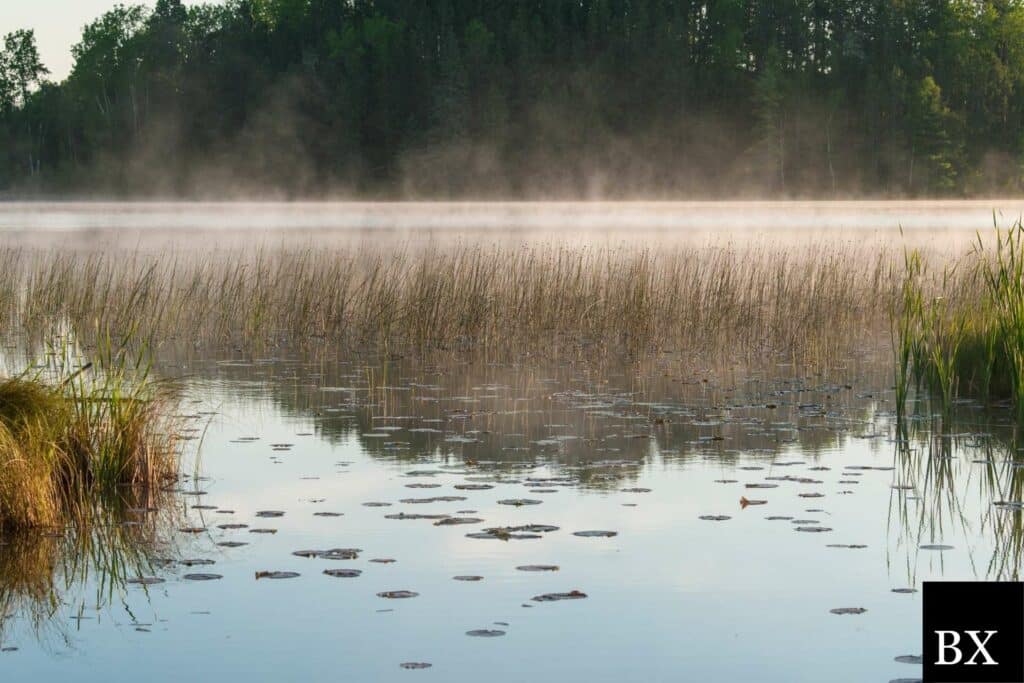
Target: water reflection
[568, 415]
[607, 475]
[47, 574]
[960, 475]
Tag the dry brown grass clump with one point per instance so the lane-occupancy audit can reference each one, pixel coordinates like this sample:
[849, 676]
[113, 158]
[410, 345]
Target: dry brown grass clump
[72, 443]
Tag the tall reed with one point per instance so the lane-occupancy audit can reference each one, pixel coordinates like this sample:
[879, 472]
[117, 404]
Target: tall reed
[962, 334]
[761, 299]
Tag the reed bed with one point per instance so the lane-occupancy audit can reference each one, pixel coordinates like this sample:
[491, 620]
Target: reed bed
[77, 438]
[759, 299]
[958, 332]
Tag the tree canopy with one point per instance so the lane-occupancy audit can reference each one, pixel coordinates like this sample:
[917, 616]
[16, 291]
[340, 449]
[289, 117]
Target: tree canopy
[525, 99]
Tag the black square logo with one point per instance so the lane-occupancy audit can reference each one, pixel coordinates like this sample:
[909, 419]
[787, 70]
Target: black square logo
[973, 632]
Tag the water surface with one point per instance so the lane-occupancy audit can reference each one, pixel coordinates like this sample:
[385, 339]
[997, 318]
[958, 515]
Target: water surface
[744, 504]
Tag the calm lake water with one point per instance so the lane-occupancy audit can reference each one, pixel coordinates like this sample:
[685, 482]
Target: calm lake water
[690, 583]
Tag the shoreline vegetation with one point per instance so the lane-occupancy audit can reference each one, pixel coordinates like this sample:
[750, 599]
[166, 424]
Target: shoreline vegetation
[958, 333]
[79, 440]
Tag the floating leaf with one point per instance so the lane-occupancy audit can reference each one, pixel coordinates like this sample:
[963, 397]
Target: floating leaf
[453, 521]
[276, 575]
[554, 597]
[343, 573]
[538, 567]
[145, 580]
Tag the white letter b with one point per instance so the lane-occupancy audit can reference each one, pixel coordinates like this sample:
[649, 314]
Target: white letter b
[943, 646]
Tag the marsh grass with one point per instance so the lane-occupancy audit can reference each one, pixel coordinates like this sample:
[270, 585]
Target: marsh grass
[75, 437]
[960, 334]
[758, 299]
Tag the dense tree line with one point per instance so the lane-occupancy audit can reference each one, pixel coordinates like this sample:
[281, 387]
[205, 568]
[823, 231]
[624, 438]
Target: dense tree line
[525, 98]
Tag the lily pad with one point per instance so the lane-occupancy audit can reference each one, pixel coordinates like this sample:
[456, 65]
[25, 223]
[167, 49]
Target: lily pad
[343, 573]
[453, 521]
[397, 595]
[595, 534]
[554, 597]
[485, 633]
[538, 567]
[276, 575]
[534, 528]
[415, 665]
[414, 515]
[145, 580]
[435, 499]
[202, 577]
[848, 610]
[502, 536]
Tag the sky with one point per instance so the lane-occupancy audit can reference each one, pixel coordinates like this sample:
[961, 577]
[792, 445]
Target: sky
[58, 25]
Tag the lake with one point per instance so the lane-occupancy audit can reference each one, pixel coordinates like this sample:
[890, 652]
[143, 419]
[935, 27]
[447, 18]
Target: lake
[616, 517]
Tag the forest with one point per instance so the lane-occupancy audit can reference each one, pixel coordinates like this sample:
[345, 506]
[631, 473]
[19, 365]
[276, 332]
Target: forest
[531, 99]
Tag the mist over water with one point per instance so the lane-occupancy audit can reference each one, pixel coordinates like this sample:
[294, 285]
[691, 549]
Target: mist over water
[941, 223]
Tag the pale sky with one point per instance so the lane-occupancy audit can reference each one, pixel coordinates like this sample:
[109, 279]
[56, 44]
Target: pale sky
[58, 25]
